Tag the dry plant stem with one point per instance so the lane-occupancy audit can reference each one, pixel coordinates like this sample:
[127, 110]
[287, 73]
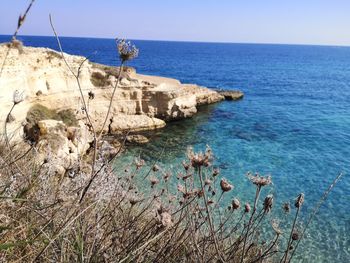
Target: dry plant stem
[94, 175]
[17, 158]
[209, 216]
[81, 93]
[144, 245]
[7, 141]
[315, 211]
[111, 100]
[22, 18]
[285, 257]
[66, 225]
[20, 23]
[250, 220]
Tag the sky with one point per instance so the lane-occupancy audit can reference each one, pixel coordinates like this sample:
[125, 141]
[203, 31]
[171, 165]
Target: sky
[321, 22]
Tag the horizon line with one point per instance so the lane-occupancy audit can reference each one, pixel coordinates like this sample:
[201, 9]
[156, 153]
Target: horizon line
[193, 41]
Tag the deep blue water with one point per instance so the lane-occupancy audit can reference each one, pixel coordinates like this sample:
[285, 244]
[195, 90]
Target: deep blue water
[294, 122]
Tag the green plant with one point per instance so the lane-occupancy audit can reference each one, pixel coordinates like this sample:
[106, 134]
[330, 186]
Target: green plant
[99, 80]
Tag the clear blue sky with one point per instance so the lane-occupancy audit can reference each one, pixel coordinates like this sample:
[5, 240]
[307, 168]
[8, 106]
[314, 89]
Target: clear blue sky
[250, 21]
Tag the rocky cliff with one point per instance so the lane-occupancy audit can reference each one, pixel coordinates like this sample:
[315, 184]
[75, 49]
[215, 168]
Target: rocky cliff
[141, 102]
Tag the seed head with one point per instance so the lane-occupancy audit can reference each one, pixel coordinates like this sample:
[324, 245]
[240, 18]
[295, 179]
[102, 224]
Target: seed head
[200, 159]
[207, 182]
[126, 50]
[286, 207]
[268, 203]
[181, 188]
[210, 202]
[185, 165]
[295, 235]
[139, 163]
[247, 208]
[154, 181]
[18, 96]
[235, 204]
[216, 172]
[275, 227]
[166, 219]
[299, 201]
[260, 180]
[155, 168]
[225, 186]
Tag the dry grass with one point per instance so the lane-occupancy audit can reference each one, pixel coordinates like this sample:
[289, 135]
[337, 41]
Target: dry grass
[42, 220]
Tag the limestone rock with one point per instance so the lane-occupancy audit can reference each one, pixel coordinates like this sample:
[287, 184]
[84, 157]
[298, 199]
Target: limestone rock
[60, 148]
[41, 73]
[231, 94]
[134, 123]
[137, 139]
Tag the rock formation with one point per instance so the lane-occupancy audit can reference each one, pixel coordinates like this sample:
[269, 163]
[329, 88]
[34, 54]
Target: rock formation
[140, 103]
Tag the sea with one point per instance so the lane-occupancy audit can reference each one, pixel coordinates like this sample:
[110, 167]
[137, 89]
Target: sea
[293, 123]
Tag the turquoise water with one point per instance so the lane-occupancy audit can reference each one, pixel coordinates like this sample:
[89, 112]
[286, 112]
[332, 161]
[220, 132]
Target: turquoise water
[294, 122]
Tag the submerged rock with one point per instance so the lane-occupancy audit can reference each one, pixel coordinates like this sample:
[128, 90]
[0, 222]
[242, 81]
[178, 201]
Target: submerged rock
[137, 139]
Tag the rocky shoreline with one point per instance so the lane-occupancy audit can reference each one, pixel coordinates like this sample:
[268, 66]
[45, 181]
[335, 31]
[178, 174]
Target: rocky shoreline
[141, 102]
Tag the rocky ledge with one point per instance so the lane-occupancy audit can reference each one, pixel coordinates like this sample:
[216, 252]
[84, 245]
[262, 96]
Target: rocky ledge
[51, 92]
[231, 94]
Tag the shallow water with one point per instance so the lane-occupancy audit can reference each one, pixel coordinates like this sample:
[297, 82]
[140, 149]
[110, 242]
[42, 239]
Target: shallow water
[294, 122]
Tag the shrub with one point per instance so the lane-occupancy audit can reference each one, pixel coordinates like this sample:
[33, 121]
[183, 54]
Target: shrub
[117, 222]
[99, 80]
[39, 112]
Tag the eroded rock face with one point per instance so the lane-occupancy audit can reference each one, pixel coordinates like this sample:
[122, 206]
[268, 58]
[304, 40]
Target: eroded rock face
[61, 146]
[45, 79]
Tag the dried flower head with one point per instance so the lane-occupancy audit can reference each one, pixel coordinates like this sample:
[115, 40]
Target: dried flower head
[185, 165]
[181, 188]
[155, 168]
[216, 172]
[153, 181]
[200, 159]
[165, 219]
[247, 208]
[235, 204]
[275, 227]
[299, 201]
[185, 177]
[295, 235]
[225, 186]
[268, 202]
[134, 200]
[18, 96]
[259, 180]
[166, 176]
[286, 207]
[126, 50]
[139, 163]
[200, 193]
[210, 202]
[207, 182]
